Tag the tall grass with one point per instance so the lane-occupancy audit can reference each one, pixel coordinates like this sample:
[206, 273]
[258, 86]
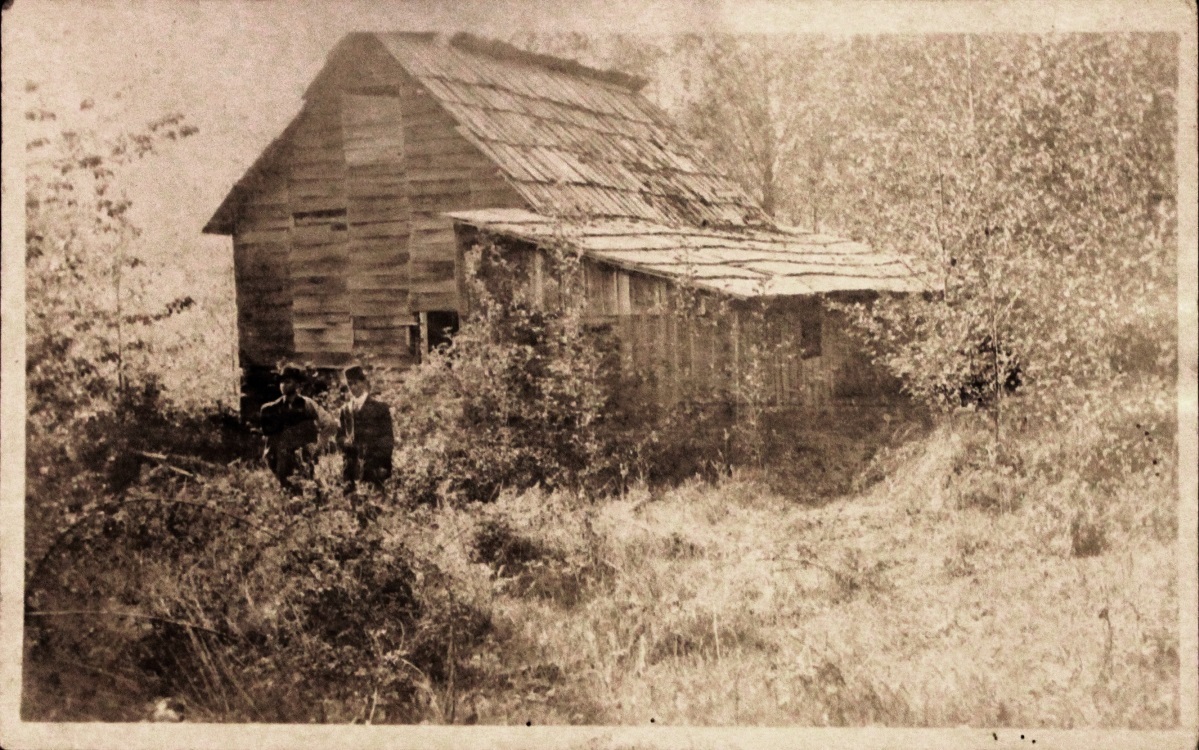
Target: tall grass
[952, 591]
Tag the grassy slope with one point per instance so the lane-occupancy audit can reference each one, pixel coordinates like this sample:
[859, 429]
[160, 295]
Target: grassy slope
[902, 605]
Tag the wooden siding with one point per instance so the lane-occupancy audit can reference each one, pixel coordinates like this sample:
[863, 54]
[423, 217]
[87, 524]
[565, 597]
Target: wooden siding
[772, 335]
[262, 275]
[444, 172]
[320, 261]
[337, 256]
[691, 344]
[380, 227]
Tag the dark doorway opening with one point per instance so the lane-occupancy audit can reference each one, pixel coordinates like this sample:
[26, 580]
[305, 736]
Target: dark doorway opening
[442, 325]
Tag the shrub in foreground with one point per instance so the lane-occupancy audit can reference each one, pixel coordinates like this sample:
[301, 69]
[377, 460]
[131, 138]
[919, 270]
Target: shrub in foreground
[251, 605]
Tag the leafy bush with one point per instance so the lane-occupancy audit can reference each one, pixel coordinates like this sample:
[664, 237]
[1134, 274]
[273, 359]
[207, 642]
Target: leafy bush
[96, 415]
[1020, 218]
[253, 605]
[527, 397]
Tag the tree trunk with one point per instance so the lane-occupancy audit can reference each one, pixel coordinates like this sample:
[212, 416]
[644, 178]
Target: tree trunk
[998, 407]
[116, 273]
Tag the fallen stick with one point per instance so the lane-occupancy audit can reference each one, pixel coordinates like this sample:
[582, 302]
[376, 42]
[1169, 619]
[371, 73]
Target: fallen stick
[165, 462]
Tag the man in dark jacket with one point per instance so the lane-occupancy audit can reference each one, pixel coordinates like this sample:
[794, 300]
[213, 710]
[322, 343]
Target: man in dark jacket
[365, 433]
[289, 424]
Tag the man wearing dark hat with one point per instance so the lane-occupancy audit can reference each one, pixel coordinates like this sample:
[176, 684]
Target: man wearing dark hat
[290, 426]
[365, 432]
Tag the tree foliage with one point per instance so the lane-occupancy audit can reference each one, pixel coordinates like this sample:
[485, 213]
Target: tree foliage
[521, 397]
[90, 356]
[87, 311]
[756, 106]
[1032, 176]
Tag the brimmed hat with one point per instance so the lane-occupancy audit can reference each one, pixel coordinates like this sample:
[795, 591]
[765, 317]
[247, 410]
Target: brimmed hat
[293, 372]
[355, 374]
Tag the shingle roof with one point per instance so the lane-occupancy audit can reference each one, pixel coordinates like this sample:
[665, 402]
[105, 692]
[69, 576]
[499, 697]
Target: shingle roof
[741, 262]
[572, 141]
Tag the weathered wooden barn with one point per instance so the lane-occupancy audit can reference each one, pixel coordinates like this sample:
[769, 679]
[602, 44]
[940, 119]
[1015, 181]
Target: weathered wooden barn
[349, 230]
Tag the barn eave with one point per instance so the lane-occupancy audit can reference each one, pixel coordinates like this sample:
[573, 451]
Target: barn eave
[746, 263]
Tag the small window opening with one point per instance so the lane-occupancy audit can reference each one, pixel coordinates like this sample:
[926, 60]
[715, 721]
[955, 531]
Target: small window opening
[324, 216]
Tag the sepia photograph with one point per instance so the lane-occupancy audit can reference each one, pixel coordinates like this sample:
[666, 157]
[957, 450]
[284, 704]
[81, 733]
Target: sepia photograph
[605, 376]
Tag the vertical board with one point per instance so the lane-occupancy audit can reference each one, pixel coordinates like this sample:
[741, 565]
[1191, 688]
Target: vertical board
[806, 356]
[262, 275]
[444, 172]
[379, 222]
[624, 303]
[434, 186]
[319, 260]
[373, 129]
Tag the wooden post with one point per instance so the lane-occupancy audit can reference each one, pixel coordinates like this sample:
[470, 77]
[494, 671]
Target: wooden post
[624, 303]
[692, 363]
[676, 357]
[736, 334]
[424, 335]
[538, 279]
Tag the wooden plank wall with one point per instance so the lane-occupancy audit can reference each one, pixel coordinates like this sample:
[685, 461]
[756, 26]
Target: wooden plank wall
[786, 372]
[378, 216]
[682, 355]
[337, 253]
[789, 353]
[262, 275]
[852, 374]
[324, 333]
[445, 172]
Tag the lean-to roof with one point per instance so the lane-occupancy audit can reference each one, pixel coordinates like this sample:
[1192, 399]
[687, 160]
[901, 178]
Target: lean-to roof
[742, 262]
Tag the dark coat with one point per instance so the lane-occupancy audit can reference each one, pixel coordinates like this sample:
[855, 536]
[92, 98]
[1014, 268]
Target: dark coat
[291, 432]
[367, 438]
